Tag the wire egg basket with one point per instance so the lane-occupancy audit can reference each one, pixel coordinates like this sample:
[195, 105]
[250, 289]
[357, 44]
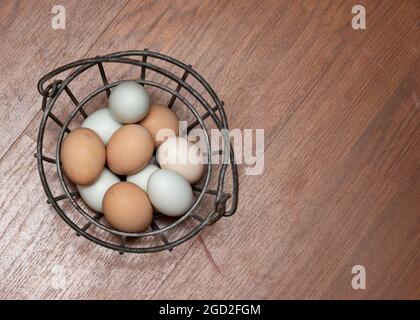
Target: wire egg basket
[204, 105]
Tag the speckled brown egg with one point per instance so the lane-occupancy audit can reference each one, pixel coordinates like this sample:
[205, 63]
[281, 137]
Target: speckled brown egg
[162, 120]
[129, 150]
[127, 207]
[83, 156]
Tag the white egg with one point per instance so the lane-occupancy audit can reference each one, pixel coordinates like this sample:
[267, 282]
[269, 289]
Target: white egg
[183, 156]
[129, 102]
[141, 178]
[169, 192]
[102, 123]
[93, 194]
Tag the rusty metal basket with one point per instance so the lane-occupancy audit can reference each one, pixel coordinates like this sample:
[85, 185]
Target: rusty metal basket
[50, 87]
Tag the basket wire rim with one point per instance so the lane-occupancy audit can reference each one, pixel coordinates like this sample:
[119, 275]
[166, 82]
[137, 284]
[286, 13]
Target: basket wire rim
[221, 124]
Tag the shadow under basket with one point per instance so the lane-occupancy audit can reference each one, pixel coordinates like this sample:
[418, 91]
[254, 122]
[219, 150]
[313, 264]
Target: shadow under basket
[200, 101]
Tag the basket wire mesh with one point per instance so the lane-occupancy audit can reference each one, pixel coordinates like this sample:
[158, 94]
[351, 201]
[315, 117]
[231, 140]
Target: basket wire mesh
[214, 111]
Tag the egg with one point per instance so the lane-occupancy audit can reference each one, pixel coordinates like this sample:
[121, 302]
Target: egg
[169, 192]
[129, 150]
[129, 102]
[83, 156]
[102, 123]
[93, 194]
[142, 177]
[180, 155]
[127, 207]
[161, 122]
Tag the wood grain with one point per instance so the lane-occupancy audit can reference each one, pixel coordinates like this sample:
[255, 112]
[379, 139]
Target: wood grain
[340, 110]
[31, 46]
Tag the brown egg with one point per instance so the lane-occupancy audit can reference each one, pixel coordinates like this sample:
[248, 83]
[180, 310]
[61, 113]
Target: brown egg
[161, 117]
[127, 207]
[83, 156]
[129, 150]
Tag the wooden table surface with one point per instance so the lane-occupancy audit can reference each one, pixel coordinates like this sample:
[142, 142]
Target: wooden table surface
[341, 113]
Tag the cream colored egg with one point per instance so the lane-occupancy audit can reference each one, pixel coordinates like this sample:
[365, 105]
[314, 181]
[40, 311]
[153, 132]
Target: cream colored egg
[180, 155]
